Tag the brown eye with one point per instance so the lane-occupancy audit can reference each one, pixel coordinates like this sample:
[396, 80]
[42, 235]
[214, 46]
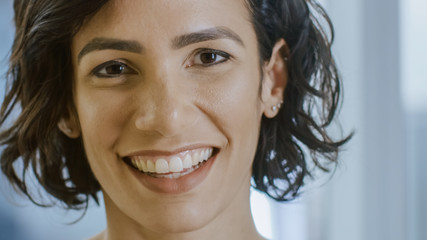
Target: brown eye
[209, 57]
[112, 69]
[115, 69]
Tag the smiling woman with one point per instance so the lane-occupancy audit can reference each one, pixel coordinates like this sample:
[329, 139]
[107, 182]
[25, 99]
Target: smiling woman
[169, 108]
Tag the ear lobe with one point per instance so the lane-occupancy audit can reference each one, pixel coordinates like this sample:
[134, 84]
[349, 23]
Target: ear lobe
[275, 80]
[69, 126]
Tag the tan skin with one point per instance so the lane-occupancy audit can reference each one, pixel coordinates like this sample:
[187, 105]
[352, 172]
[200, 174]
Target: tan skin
[161, 99]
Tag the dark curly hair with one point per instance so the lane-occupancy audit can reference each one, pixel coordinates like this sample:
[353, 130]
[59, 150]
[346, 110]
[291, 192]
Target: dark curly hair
[40, 87]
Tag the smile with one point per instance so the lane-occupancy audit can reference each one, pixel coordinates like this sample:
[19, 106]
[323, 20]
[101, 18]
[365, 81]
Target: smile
[174, 166]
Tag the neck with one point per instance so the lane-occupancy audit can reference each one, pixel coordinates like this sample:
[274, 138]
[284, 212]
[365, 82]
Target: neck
[234, 222]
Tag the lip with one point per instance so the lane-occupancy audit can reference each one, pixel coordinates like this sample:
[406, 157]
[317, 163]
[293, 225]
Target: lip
[173, 186]
[160, 153]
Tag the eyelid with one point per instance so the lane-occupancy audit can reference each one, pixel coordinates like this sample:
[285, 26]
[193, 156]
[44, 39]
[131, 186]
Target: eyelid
[223, 54]
[96, 71]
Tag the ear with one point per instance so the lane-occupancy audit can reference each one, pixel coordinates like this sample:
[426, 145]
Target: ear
[275, 79]
[69, 125]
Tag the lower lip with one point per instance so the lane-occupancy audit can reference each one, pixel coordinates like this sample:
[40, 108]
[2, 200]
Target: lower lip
[175, 186]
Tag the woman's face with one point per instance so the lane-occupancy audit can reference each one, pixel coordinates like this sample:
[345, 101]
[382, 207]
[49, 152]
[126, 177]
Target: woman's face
[161, 86]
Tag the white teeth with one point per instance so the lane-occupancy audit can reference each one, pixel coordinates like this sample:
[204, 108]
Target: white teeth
[196, 158]
[150, 166]
[210, 151]
[135, 163]
[202, 156]
[162, 166]
[187, 163]
[138, 164]
[205, 155]
[175, 164]
[142, 165]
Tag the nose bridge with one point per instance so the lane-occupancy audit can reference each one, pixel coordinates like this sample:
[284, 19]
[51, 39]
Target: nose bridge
[168, 103]
[167, 109]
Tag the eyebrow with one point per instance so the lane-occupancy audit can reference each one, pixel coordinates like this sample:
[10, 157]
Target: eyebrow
[101, 43]
[205, 35]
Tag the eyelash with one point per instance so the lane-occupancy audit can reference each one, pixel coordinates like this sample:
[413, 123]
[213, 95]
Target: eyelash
[125, 69]
[101, 70]
[225, 57]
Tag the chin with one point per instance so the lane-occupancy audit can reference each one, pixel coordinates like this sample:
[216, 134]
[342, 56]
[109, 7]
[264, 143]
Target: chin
[188, 218]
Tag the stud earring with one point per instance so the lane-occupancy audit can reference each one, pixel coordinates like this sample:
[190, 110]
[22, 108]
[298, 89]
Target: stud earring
[277, 106]
[274, 108]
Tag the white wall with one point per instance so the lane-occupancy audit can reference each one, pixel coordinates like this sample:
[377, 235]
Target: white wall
[414, 92]
[380, 190]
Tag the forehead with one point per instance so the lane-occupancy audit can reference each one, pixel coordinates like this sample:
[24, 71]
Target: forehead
[155, 21]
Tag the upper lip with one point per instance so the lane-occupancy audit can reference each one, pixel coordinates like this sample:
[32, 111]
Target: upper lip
[154, 152]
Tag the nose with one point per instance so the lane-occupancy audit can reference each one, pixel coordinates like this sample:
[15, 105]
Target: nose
[167, 111]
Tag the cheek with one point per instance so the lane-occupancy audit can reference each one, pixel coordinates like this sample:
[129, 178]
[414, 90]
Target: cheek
[234, 107]
[101, 117]
[234, 102]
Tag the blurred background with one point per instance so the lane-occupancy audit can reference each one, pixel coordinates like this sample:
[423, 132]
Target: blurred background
[379, 191]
